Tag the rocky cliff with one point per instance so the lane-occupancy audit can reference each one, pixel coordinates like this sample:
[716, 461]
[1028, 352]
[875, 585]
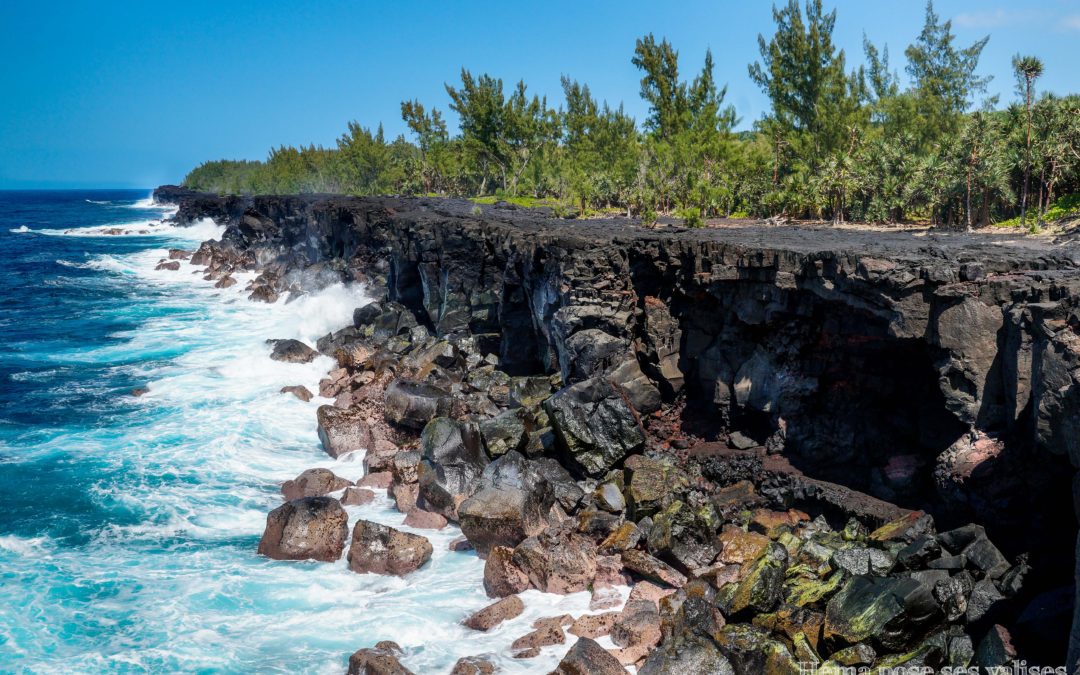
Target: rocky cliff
[871, 372]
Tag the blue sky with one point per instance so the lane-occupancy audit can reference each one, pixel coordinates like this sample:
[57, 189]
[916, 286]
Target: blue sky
[136, 93]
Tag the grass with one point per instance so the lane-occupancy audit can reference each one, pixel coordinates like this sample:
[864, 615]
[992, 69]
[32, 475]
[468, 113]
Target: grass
[1066, 206]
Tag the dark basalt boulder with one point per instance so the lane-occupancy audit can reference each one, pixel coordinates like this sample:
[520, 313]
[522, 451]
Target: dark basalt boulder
[692, 654]
[595, 427]
[413, 404]
[313, 483]
[503, 433]
[511, 502]
[750, 649]
[343, 431]
[888, 610]
[379, 549]
[312, 528]
[453, 460]
[380, 322]
[291, 351]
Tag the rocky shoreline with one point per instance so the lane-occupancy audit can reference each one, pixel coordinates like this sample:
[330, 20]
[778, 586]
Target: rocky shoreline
[799, 447]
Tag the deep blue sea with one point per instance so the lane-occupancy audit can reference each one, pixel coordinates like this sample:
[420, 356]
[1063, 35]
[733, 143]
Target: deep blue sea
[128, 525]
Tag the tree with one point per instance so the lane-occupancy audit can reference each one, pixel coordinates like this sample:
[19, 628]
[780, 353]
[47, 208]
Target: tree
[943, 77]
[804, 76]
[431, 138]
[1027, 69]
[502, 133]
[660, 86]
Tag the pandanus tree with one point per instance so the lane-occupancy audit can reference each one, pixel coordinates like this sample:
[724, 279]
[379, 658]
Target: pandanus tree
[1028, 69]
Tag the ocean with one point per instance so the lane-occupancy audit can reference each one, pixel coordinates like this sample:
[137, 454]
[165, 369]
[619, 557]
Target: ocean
[129, 525]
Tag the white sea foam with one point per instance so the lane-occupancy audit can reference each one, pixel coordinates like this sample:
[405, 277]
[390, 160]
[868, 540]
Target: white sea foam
[22, 229]
[34, 547]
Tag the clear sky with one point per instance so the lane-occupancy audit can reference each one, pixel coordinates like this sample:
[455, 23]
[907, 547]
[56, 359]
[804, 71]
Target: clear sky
[136, 93]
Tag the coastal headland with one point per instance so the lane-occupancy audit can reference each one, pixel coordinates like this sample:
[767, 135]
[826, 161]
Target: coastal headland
[798, 445]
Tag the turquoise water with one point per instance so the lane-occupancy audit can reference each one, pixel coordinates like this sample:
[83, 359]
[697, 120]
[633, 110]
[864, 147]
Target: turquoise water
[128, 526]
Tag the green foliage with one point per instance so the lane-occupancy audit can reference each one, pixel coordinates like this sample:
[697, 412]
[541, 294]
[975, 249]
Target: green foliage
[691, 217]
[1065, 208]
[841, 142]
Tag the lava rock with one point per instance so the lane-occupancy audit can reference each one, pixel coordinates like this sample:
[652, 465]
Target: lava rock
[413, 404]
[890, 610]
[291, 351]
[312, 528]
[511, 503]
[587, 657]
[380, 549]
[594, 426]
[502, 576]
[357, 496]
[424, 520]
[343, 431]
[503, 433]
[453, 461]
[495, 613]
[557, 561]
[379, 660]
[313, 483]
[649, 567]
[473, 665]
[299, 391]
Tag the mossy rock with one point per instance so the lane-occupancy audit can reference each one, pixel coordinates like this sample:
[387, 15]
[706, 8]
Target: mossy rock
[804, 591]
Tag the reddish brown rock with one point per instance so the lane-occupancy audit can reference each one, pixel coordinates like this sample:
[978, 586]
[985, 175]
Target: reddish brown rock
[495, 613]
[461, 544]
[380, 458]
[473, 665]
[310, 528]
[558, 561]
[379, 479]
[644, 590]
[356, 496]
[738, 546]
[299, 391]
[594, 625]
[379, 660]
[529, 645]
[425, 520]
[771, 522]
[342, 431]
[313, 483]
[637, 625]
[649, 567]
[405, 466]
[501, 576]
[404, 496]
[380, 549]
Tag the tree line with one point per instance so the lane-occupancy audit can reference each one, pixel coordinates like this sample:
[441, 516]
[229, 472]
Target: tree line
[840, 142]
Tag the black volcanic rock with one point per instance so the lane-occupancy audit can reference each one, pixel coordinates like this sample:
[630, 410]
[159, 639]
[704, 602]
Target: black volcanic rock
[938, 371]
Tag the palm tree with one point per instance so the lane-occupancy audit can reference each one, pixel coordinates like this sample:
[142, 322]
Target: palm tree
[1028, 69]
